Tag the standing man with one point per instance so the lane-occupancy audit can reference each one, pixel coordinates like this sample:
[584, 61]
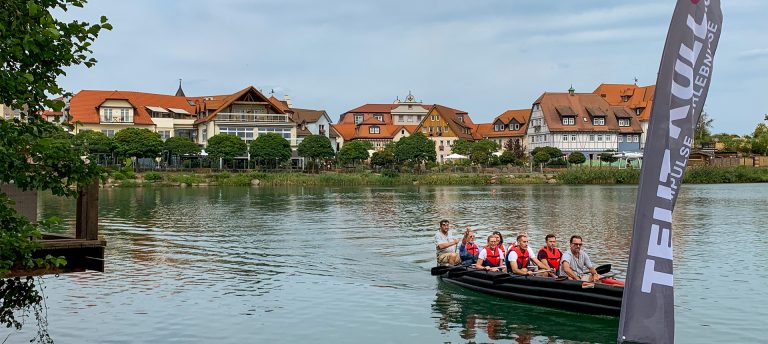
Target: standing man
[520, 256]
[445, 244]
[575, 263]
[550, 255]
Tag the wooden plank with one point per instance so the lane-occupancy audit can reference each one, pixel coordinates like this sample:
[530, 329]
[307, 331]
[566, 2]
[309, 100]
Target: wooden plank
[92, 211]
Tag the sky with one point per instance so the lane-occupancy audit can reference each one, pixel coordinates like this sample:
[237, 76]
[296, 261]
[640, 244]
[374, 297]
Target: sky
[480, 56]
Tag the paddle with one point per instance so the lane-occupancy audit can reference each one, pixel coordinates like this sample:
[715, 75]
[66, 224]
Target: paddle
[603, 269]
[439, 270]
[508, 278]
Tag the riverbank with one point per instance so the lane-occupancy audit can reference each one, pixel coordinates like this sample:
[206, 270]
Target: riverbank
[572, 176]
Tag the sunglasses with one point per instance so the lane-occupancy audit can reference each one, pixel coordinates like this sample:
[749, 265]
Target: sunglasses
[577, 244]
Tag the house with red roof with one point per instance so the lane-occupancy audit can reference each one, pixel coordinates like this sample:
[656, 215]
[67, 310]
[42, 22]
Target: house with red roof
[510, 126]
[444, 126]
[583, 122]
[638, 99]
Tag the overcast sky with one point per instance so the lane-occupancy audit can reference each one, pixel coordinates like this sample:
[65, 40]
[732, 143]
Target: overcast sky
[481, 56]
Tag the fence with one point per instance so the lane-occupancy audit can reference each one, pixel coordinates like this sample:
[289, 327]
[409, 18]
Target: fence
[756, 161]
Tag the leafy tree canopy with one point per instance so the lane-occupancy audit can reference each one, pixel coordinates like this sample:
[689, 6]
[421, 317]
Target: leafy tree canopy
[141, 143]
[415, 149]
[354, 151]
[577, 158]
[271, 147]
[507, 157]
[462, 146]
[607, 156]
[225, 146]
[316, 147]
[178, 145]
[383, 158]
[552, 152]
[541, 157]
[93, 142]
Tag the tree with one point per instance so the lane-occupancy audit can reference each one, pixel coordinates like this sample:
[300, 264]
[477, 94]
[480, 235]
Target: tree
[608, 156]
[577, 158]
[702, 133]
[271, 147]
[507, 157]
[416, 149]
[541, 157]
[141, 143]
[462, 146]
[551, 152]
[383, 158]
[225, 147]
[179, 146]
[36, 48]
[479, 155]
[93, 142]
[316, 147]
[354, 151]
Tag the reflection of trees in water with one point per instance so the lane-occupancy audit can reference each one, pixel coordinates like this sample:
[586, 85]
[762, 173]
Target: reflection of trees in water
[470, 313]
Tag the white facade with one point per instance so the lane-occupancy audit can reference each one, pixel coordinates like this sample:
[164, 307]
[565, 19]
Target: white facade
[408, 112]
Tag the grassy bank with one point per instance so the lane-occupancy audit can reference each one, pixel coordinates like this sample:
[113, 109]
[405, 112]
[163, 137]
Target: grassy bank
[693, 175]
[322, 179]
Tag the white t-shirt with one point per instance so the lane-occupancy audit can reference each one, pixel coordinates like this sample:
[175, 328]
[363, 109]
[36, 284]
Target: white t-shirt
[484, 254]
[512, 255]
[440, 238]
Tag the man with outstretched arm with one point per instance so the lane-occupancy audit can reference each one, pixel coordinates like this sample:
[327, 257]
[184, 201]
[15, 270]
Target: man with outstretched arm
[445, 244]
[468, 250]
[576, 264]
[550, 255]
[520, 256]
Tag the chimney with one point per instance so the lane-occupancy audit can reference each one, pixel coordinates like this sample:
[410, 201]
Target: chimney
[287, 100]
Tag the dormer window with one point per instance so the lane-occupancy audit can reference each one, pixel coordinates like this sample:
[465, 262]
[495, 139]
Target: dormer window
[638, 111]
[374, 129]
[536, 107]
[625, 98]
[379, 117]
[623, 122]
[460, 118]
[514, 126]
[358, 119]
[569, 120]
[598, 121]
[498, 127]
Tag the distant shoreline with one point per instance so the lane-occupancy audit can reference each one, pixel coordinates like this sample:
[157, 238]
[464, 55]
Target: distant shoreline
[571, 176]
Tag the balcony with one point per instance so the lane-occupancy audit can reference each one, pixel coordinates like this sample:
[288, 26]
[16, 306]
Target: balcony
[251, 118]
[441, 148]
[116, 120]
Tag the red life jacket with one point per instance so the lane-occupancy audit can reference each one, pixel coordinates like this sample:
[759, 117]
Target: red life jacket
[472, 248]
[492, 258]
[522, 257]
[553, 258]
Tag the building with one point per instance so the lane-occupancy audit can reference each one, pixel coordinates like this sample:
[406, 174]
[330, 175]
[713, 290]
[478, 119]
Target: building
[445, 125]
[510, 125]
[583, 122]
[638, 99]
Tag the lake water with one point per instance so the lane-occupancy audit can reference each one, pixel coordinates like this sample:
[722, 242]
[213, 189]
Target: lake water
[351, 265]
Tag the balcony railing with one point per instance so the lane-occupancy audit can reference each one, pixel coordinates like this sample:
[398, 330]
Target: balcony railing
[252, 117]
[441, 148]
[116, 119]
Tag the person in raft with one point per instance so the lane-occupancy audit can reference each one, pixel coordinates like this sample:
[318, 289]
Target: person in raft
[491, 257]
[501, 241]
[445, 244]
[520, 257]
[576, 264]
[468, 250]
[550, 255]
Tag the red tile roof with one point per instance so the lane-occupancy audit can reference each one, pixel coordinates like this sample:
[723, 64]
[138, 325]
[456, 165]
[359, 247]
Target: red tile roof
[640, 97]
[485, 130]
[83, 107]
[217, 104]
[386, 131]
[385, 109]
[583, 105]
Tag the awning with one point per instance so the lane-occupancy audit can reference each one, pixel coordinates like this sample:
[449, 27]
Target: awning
[156, 109]
[181, 111]
[456, 156]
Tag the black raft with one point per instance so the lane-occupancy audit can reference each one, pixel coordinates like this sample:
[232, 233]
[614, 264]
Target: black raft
[575, 296]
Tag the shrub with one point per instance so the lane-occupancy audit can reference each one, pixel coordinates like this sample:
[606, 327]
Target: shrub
[153, 176]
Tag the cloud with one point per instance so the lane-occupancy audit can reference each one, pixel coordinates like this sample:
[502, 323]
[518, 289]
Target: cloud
[753, 53]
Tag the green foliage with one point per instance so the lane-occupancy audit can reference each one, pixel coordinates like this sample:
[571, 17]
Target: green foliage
[599, 176]
[551, 152]
[383, 158]
[516, 148]
[540, 157]
[272, 148]
[415, 149]
[702, 133]
[608, 156]
[507, 158]
[153, 176]
[479, 155]
[462, 146]
[390, 174]
[181, 146]
[577, 158]
[315, 147]
[93, 142]
[354, 151]
[226, 147]
[141, 143]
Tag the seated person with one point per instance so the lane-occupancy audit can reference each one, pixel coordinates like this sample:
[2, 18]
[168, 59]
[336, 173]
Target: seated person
[468, 250]
[576, 264]
[550, 255]
[445, 245]
[520, 258]
[491, 257]
[501, 241]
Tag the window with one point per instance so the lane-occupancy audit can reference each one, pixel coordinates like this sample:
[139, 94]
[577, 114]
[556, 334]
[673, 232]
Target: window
[243, 133]
[402, 131]
[410, 107]
[460, 118]
[204, 134]
[573, 137]
[599, 137]
[638, 111]
[107, 115]
[625, 98]
[536, 107]
[109, 132]
[620, 138]
[434, 118]
[565, 137]
[379, 117]
[373, 129]
[125, 115]
[164, 134]
[431, 129]
[400, 118]
[284, 132]
[569, 120]
[598, 121]
[609, 137]
[591, 137]
[322, 128]
[358, 119]
[623, 122]
[636, 138]
[515, 126]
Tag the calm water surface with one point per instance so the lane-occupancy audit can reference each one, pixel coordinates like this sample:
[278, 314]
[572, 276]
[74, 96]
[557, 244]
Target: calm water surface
[350, 265]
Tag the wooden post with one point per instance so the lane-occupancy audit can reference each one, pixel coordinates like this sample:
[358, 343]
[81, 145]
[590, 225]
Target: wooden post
[87, 213]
